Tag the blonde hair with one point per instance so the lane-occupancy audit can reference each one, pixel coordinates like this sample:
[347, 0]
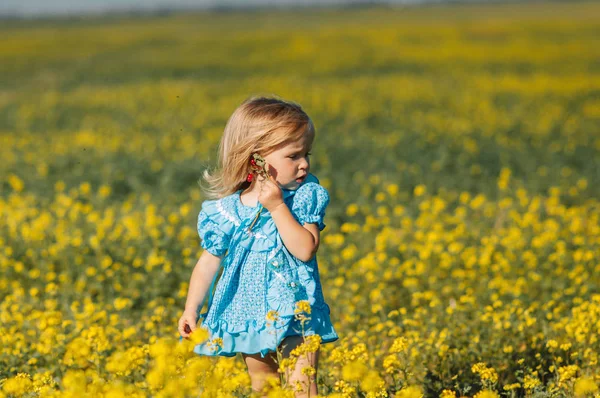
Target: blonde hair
[258, 125]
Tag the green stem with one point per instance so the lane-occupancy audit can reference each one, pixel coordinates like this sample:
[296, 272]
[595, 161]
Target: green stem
[255, 219]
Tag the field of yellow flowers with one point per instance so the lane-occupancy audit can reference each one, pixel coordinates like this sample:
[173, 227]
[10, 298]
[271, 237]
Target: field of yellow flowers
[460, 145]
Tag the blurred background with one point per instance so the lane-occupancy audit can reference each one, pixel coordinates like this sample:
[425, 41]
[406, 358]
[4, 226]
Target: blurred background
[35, 8]
[459, 142]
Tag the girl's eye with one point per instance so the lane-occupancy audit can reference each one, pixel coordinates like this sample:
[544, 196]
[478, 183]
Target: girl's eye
[295, 156]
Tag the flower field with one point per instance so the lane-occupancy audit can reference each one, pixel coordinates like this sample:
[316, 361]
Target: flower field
[460, 146]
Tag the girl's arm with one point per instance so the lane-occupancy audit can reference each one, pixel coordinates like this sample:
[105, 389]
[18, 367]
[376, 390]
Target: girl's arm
[301, 241]
[202, 276]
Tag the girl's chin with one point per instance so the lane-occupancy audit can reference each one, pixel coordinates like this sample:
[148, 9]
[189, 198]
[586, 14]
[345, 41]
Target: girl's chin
[291, 186]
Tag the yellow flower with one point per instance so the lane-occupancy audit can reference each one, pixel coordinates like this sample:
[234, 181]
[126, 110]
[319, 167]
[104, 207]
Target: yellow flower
[121, 303]
[486, 394]
[74, 380]
[565, 346]
[372, 382]
[18, 385]
[272, 315]
[510, 387]
[391, 363]
[399, 345]
[585, 386]
[448, 394]
[485, 373]
[410, 392]
[199, 335]
[566, 373]
[85, 188]
[552, 344]
[531, 382]
[16, 183]
[311, 344]
[419, 190]
[302, 306]
[215, 343]
[308, 371]
[60, 186]
[392, 189]
[287, 364]
[354, 371]
[352, 209]
[104, 191]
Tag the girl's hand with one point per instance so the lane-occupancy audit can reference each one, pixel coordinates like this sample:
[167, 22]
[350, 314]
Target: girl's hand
[187, 323]
[270, 195]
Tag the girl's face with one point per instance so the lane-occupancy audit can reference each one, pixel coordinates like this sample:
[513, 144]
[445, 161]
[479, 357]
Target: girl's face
[289, 164]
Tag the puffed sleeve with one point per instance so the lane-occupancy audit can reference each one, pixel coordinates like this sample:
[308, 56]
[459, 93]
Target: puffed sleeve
[310, 201]
[213, 228]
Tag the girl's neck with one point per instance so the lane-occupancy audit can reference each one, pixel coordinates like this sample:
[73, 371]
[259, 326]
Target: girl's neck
[250, 194]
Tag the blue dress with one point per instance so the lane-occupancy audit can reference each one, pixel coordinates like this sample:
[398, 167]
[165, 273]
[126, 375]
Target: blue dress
[260, 275]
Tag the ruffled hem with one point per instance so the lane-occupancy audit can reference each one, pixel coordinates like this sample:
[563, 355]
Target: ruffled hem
[264, 339]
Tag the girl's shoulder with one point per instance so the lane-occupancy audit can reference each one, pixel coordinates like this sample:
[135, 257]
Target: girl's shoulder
[222, 210]
[216, 224]
[228, 200]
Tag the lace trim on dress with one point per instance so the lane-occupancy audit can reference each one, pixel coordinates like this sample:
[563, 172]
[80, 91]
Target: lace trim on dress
[257, 234]
[226, 214]
[273, 252]
[231, 218]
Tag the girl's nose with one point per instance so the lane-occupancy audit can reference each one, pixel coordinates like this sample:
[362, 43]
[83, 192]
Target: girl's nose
[304, 164]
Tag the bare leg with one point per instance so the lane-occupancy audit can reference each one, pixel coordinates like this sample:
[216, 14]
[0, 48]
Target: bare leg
[311, 359]
[260, 368]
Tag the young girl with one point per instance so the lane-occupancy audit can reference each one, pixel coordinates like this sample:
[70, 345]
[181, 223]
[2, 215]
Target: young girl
[265, 234]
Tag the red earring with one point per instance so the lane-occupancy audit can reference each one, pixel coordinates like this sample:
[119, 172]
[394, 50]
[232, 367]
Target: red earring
[253, 166]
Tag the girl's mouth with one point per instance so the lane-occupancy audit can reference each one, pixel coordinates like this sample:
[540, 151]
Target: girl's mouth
[299, 180]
